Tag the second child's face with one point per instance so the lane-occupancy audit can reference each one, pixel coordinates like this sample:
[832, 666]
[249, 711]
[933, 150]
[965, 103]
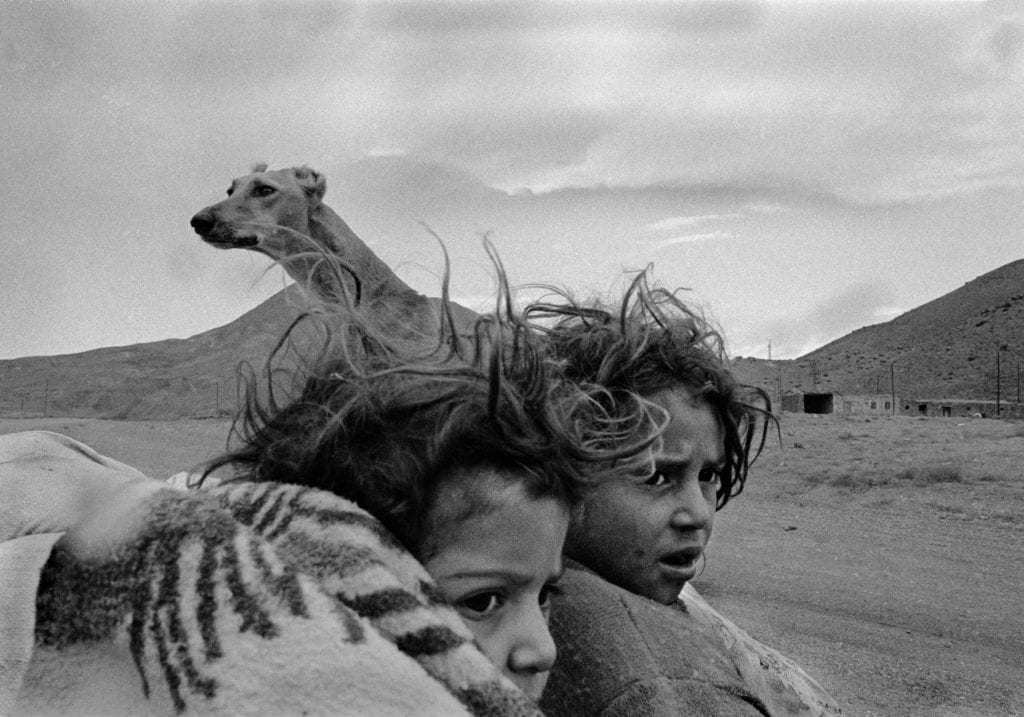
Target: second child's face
[647, 534]
[498, 570]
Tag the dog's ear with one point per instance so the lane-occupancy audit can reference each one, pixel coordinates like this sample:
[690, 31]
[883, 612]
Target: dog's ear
[311, 181]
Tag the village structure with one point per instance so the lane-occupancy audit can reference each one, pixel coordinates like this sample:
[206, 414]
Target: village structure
[885, 404]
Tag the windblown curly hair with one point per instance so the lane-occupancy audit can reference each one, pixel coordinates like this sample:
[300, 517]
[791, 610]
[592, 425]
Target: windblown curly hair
[651, 341]
[382, 421]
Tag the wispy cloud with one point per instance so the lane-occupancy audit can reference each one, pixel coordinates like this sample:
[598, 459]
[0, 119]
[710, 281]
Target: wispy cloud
[386, 152]
[822, 127]
[688, 238]
[765, 208]
[673, 223]
[861, 304]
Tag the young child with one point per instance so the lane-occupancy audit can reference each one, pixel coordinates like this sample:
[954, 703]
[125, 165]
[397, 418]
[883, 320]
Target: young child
[635, 642]
[470, 455]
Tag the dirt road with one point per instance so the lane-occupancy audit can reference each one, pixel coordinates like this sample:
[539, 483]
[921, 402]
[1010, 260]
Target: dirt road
[901, 595]
[901, 599]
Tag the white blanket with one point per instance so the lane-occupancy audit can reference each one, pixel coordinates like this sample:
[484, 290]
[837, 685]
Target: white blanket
[122, 596]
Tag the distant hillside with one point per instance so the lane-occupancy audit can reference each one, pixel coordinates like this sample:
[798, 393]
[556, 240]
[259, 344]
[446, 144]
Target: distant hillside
[163, 379]
[943, 349]
[174, 378]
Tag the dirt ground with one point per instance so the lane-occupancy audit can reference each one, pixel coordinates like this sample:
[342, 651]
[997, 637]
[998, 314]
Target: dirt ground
[884, 555]
[157, 448]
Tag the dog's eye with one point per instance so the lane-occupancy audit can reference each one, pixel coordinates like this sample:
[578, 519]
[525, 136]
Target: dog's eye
[263, 191]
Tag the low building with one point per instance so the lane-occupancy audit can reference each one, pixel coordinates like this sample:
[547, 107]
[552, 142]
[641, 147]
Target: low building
[871, 404]
[961, 408]
[792, 403]
[881, 404]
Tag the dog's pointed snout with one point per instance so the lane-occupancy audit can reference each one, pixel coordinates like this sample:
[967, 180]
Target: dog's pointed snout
[203, 222]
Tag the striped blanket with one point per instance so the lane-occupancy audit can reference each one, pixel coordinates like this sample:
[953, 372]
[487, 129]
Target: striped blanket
[243, 599]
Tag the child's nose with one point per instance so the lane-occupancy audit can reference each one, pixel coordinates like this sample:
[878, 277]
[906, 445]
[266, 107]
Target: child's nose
[534, 649]
[692, 511]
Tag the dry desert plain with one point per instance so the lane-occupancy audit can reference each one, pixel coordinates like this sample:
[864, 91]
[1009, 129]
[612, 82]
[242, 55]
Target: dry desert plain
[884, 555]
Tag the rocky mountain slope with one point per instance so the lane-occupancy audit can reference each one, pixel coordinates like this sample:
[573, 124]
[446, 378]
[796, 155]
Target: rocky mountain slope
[946, 348]
[174, 378]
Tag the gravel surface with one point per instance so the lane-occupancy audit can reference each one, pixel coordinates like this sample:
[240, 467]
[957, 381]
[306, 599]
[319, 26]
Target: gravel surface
[902, 597]
[886, 556]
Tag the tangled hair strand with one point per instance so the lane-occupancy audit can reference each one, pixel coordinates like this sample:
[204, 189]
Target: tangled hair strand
[349, 408]
[653, 341]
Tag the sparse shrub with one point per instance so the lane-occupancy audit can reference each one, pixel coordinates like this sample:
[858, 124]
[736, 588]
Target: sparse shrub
[857, 481]
[815, 479]
[846, 480]
[1017, 431]
[927, 475]
[988, 478]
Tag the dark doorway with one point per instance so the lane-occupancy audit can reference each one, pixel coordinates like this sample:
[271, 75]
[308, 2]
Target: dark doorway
[819, 403]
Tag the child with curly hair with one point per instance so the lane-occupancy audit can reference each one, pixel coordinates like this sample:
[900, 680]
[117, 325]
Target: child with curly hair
[470, 454]
[631, 639]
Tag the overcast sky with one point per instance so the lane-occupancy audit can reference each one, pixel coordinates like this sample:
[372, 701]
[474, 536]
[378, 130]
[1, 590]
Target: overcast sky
[805, 168]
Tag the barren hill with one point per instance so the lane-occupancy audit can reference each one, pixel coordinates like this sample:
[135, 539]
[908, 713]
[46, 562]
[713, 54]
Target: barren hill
[174, 378]
[946, 348]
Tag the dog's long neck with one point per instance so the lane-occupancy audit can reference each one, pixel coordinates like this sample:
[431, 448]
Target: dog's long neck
[376, 278]
[396, 304]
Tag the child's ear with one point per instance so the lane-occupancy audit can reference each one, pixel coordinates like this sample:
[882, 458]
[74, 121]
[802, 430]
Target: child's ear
[311, 181]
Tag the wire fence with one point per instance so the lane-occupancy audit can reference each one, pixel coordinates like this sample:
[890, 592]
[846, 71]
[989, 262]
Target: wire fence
[175, 398]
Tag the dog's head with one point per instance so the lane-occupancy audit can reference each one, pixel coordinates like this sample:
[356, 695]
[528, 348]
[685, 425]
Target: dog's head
[258, 203]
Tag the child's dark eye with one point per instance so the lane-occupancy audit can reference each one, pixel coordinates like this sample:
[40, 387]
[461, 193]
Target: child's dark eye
[480, 605]
[657, 479]
[546, 594]
[711, 475]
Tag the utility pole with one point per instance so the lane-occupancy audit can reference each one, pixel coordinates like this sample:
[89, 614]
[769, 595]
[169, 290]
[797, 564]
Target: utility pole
[892, 385]
[769, 349]
[997, 382]
[46, 398]
[780, 389]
